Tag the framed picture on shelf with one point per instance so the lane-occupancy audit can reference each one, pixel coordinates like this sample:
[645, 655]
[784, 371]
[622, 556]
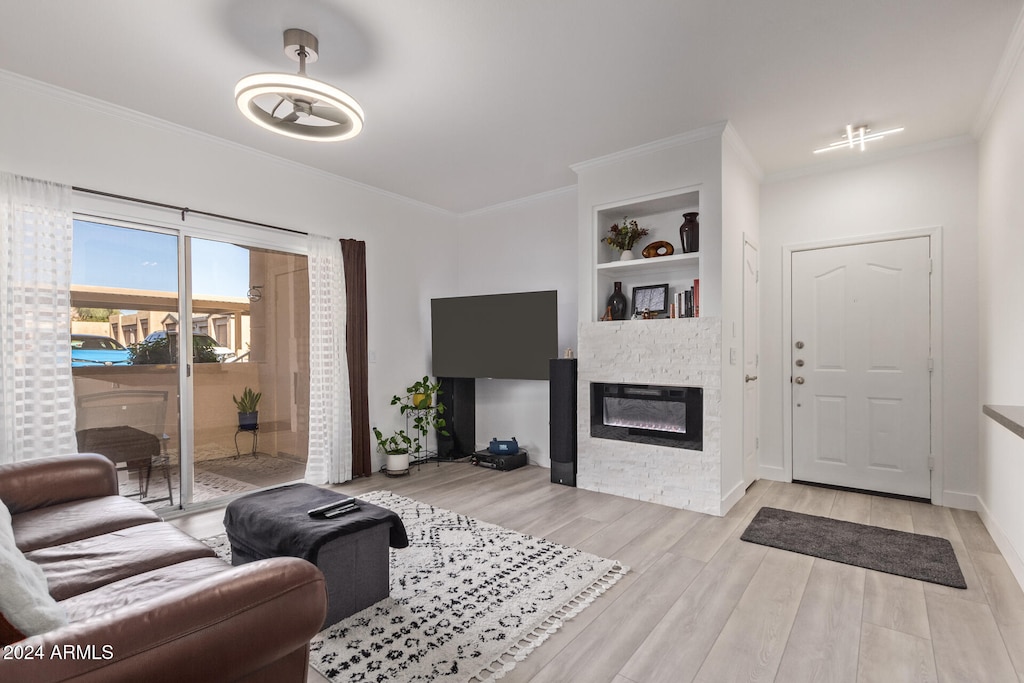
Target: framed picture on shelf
[652, 298]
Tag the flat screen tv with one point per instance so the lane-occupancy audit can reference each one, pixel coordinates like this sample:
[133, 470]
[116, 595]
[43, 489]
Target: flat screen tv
[497, 336]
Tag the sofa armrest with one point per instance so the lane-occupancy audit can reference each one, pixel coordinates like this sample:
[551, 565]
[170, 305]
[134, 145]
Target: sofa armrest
[222, 628]
[31, 484]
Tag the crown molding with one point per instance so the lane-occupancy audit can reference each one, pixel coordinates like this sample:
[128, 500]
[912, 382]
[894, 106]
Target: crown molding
[715, 130]
[139, 118]
[867, 160]
[512, 203]
[733, 139]
[1007, 65]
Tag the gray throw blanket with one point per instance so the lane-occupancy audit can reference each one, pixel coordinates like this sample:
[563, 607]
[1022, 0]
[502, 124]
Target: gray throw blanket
[275, 523]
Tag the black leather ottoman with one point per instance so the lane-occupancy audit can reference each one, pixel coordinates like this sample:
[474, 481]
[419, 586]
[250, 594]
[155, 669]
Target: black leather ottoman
[351, 550]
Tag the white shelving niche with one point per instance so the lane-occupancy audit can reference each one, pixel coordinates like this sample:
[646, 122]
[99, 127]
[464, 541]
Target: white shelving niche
[661, 215]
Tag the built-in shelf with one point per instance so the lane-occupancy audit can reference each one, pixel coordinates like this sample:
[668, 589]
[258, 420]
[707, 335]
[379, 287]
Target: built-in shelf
[1011, 417]
[646, 265]
[661, 215]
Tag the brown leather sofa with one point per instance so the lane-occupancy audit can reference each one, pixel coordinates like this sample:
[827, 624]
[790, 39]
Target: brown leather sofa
[146, 602]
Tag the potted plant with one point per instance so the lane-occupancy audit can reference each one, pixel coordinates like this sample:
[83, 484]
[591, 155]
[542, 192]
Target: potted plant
[419, 401]
[248, 415]
[422, 414]
[396, 447]
[625, 236]
[422, 392]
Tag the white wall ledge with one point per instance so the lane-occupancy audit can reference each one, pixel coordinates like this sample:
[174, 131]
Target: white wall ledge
[1011, 417]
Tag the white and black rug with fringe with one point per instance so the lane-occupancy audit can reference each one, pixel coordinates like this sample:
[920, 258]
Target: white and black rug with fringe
[468, 601]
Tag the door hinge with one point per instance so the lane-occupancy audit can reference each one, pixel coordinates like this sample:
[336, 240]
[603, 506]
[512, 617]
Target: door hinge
[931, 462]
[931, 265]
[931, 365]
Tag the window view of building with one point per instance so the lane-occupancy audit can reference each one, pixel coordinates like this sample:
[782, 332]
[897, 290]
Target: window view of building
[126, 322]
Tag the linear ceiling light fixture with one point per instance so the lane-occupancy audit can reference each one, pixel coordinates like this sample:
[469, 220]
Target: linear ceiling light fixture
[295, 104]
[857, 138]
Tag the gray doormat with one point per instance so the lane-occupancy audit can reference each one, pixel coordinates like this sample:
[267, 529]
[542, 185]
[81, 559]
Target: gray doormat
[916, 556]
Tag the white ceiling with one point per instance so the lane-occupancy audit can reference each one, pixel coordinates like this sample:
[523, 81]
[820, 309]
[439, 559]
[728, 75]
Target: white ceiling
[471, 103]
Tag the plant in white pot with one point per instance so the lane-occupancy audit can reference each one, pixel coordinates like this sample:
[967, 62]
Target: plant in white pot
[248, 415]
[396, 447]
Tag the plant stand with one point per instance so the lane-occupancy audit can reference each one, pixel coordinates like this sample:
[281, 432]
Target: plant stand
[421, 455]
[255, 431]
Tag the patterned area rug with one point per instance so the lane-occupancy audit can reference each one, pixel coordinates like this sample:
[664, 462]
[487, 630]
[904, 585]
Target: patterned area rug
[468, 601]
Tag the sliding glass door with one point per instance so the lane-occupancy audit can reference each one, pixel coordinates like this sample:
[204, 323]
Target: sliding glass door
[251, 308]
[145, 298]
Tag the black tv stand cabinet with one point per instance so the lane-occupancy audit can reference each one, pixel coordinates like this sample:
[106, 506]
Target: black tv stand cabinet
[458, 396]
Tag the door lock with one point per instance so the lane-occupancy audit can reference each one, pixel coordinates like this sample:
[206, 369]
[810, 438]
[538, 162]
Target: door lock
[799, 380]
[750, 378]
[799, 345]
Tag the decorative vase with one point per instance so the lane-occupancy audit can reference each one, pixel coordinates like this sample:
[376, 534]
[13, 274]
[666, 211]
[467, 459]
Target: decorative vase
[617, 303]
[626, 255]
[689, 233]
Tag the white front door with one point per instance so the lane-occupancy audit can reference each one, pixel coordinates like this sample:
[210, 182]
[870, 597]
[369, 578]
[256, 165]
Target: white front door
[750, 363]
[860, 366]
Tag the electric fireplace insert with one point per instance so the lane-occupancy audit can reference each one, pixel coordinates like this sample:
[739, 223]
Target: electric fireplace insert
[644, 413]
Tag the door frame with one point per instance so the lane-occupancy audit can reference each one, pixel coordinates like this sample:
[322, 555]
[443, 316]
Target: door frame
[934, 235]
[749, 240]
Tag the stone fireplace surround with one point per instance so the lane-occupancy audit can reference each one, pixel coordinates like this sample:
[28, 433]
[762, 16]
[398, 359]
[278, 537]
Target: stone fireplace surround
[683, 352]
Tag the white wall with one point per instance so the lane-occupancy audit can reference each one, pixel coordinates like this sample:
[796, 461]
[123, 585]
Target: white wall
[935, 187]
[522, 246]
[58, 136]
[740, 221]
[1001, 306]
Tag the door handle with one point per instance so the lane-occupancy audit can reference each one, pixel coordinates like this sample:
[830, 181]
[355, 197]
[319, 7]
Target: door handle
[749, 378]
[799, 380]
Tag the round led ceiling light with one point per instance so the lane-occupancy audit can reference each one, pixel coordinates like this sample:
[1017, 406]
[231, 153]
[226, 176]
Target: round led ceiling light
[296, 105]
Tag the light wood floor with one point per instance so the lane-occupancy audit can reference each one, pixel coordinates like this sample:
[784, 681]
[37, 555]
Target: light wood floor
[701, 605]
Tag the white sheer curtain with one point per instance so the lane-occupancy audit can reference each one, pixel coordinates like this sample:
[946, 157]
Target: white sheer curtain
[330, 429]
[37, 396]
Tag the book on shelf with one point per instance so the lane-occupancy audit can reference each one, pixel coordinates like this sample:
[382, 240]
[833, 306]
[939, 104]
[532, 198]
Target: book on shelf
[688, 301]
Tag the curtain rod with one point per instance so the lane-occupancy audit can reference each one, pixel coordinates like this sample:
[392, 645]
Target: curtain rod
[184, 210]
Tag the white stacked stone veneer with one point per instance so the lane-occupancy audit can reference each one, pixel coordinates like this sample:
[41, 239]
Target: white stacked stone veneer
[682, 352]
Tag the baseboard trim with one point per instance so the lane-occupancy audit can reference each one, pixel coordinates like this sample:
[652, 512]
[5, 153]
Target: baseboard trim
[733, 497]
[1002, 541]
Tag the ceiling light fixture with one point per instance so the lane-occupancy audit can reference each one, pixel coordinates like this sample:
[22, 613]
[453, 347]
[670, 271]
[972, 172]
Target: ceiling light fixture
[295, 104]
[857, 137]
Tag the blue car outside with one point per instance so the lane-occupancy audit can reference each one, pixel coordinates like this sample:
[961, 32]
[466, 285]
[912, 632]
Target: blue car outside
[93, 350]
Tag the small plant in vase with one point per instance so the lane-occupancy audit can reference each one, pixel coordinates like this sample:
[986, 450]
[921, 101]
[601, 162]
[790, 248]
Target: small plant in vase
[624, 237]
[247, 405]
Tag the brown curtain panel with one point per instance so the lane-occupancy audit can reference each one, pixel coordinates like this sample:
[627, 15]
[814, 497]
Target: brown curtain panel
[353, 253]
